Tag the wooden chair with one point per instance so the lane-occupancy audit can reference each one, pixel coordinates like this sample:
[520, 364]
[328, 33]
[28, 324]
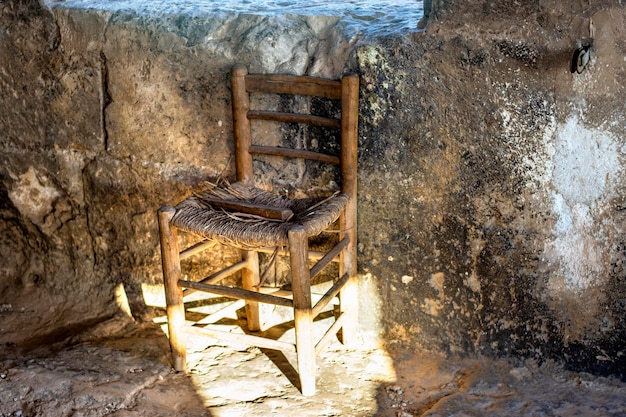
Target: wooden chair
[256, 221]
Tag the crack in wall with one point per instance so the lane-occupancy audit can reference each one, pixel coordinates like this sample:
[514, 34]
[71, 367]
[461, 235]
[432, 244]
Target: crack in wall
[105, 96]
[105, 99]
[86, 208]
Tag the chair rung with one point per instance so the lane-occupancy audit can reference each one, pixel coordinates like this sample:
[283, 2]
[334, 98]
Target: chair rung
[284, 252]
[238, 293]
[197, 248]
[294, 118]
[332, 254]
[291, 84]
[246, 339]
[332, 330]
[216, 277]
[294, 153]
[289, 294]
[330, 294]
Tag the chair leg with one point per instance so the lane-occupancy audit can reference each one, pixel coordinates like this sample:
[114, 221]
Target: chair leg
[303, 317]
[349, 307]
[173, 292]
[349, 297]
[250, 278]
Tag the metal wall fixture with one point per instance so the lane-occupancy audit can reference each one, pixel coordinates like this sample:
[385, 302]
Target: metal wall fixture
[580, 59]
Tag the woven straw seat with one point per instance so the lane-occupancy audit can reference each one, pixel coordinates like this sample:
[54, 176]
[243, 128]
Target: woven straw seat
[199, 216]
[256, 221]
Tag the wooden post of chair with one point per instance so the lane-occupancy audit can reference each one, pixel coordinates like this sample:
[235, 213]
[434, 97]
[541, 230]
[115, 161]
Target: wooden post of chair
[173, 293]
[303, 316]
[349, 159]
[241, 124]
[250, 279]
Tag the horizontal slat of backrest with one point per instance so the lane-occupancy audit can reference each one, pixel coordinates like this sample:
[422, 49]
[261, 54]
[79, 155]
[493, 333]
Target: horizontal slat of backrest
[294, 153]
[294, 118]
[292, 84]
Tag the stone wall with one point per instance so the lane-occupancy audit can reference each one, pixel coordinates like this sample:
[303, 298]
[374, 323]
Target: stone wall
[504, 174]
[491, 178]
[105, 116]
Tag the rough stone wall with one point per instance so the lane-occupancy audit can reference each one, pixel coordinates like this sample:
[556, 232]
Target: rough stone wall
[495, 181]
[104, 117]
[491, 179]
[51, 132]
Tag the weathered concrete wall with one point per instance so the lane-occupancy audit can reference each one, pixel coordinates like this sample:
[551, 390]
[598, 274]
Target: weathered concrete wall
[491, 178]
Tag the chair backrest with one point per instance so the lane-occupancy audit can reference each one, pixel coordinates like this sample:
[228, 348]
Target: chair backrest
[346, 91]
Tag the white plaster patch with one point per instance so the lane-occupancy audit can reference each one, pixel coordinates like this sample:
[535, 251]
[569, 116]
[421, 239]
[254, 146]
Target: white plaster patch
[564, 220]
[34, 196]
[586, 165]
[579, 248]
[585, 161]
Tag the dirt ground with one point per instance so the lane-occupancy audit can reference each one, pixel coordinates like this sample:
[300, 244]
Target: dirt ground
[121, 369]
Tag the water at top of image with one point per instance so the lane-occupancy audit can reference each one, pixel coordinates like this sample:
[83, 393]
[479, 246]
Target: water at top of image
[367, 16]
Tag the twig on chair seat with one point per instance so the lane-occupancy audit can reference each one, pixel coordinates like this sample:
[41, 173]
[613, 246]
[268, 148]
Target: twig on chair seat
[250, 218]
[319, 203]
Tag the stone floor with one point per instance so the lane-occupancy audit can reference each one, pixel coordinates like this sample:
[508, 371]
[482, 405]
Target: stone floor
[127, 374]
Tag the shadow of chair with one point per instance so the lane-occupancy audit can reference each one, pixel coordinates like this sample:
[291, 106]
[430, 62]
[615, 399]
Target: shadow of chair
[255, 221]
